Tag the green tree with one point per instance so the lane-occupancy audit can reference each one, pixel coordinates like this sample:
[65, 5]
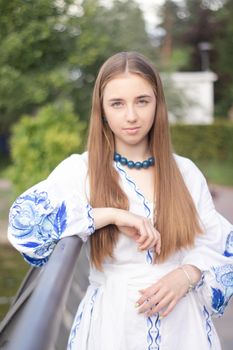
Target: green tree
[103, 31]
[224, 48]
[186, 25]
[34, 48]
[171, 57]
[38, 144]
[51, 50]
[191, 22]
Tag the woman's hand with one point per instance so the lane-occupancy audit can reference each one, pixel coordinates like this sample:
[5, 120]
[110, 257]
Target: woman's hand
[162, 296]
[137, 227]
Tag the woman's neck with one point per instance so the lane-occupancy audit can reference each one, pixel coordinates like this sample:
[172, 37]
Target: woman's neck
[133, 152]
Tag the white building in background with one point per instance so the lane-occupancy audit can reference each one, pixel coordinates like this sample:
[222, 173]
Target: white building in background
[198, 89]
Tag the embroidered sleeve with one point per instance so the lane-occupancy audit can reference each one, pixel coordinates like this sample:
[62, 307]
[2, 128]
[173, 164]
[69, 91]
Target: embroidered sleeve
[212, 254]
[55, 208]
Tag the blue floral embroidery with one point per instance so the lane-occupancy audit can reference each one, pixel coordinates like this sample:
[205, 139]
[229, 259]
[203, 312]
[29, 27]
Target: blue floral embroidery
[38, 225]
[217, 298]
[78, 319]
[33, 215]
[153, 336]
[208, 325]
[224, 275]
[93, 299]
[229, 245]
[222, 295]
[136, 189]
[75, 328]
[201, 281]
[35, 261]
[91, 226]
[150, 252]
[149, 256]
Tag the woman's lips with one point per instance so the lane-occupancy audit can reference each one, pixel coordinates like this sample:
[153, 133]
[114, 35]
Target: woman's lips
[131, 131]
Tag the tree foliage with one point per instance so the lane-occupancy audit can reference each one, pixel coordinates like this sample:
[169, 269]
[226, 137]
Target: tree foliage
[189, 23]
[51, 50]
[38, 144]
[224, 47]
[102, 32]
[33, 52]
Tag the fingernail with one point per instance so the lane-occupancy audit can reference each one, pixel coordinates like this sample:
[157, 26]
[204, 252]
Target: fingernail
[160, 317]
[136, 305]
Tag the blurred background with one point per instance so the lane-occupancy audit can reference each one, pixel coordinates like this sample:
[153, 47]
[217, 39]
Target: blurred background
[50, 53]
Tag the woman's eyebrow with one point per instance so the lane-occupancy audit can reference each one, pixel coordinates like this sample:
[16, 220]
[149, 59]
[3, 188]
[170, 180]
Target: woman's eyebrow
[115, 99]
[144, 96]
[121, 99]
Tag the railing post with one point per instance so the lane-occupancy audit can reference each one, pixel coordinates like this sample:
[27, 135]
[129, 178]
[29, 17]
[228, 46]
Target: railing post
[41, 317]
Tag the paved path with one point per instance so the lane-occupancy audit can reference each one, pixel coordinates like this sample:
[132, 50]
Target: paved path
[5, 184]
[223, 199]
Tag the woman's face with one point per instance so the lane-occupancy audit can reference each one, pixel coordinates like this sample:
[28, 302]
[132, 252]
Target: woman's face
[129, 107]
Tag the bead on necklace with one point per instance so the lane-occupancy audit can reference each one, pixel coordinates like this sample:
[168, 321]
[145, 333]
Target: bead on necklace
[137, 165]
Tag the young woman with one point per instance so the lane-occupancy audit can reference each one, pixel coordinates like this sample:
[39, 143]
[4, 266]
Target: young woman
[160, 255]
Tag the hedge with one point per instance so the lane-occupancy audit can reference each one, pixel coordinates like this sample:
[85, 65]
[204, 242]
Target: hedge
[38, 143]
[212, 142]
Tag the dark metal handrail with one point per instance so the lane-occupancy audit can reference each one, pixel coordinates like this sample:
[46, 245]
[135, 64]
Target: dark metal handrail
[41, 317]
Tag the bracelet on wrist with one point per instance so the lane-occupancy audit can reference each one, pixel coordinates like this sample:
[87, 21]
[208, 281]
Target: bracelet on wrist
[191, 283]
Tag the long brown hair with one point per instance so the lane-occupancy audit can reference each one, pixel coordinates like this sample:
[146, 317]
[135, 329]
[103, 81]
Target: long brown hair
[175, 215]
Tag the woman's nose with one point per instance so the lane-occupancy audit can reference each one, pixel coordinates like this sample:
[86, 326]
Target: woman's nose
[131, 114]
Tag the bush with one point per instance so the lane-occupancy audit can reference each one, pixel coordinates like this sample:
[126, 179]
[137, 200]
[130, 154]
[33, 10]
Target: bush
[204, 142]
[39, 143]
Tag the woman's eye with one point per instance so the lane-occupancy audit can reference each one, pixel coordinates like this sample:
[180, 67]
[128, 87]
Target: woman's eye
[116, 104]
[142, 102]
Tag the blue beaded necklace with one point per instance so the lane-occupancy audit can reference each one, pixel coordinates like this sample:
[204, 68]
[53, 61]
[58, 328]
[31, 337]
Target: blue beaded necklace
[137, 165]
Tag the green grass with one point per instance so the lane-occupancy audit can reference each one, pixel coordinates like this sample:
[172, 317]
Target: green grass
[12, 270]
[219, 173]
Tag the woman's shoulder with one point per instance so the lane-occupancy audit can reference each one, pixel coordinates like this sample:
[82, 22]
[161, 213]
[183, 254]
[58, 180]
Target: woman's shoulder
[185, 164]
[188, 168]
[78, 159]
[73, 165]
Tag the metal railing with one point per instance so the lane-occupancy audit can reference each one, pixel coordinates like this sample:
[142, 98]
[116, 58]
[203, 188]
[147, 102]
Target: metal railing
[38, 325]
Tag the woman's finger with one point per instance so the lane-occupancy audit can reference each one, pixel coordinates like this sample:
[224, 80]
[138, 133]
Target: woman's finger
[158, 306]
[143, 233]
[148, 293]
[150, 302]
[170, 307]
[156, 243]
[153, 240]
[150, 237]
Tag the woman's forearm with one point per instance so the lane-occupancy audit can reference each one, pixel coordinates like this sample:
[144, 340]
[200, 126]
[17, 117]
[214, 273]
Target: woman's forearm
[104, 216]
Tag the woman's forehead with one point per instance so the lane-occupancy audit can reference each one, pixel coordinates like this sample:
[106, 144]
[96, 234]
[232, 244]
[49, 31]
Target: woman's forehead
[127, 84]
